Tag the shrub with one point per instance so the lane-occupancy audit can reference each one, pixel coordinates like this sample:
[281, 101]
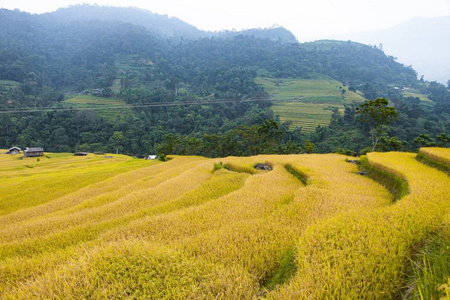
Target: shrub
[217, 166]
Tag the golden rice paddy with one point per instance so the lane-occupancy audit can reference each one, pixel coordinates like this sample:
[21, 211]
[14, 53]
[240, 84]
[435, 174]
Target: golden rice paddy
[95, 227]
[439, 154]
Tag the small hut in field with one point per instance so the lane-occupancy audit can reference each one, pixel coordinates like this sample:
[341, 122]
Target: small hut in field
[33, 152]
[80, 154]
[13, 150]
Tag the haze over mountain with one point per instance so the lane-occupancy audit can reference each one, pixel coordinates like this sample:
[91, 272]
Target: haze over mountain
[420, 42]
[161, 25]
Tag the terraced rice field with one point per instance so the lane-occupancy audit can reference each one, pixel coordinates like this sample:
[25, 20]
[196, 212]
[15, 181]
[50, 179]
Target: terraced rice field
[105, 107]
[438, 158]
[96, 227]
[307, 102]
[305, 115]
[441, 155]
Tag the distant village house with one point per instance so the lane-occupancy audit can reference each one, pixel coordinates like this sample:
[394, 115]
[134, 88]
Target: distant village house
[33, 152]
[97, 92]
[81, 154]
[13, 150]
[151, 157]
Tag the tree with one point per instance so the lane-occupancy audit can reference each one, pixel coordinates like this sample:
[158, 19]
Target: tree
[392, 144]
[309, 147]
[116, 140]
[270, 134]
[424, 140]
[377, 114]
[443, 139]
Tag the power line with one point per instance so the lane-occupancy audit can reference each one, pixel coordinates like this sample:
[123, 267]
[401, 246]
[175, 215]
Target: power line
[125, 106]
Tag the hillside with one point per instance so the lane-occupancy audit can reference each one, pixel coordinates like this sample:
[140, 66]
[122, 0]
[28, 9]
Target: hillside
[162, 25]
[185, 93]
[192, 227]
[66, 40]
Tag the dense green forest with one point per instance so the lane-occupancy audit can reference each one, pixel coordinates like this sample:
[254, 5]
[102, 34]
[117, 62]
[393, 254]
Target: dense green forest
[188, 92]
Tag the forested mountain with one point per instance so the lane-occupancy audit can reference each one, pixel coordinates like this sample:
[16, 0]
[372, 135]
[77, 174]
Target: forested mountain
[153, 66]
[160, 25]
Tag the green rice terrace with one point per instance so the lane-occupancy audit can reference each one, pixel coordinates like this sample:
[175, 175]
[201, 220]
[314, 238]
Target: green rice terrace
[307, 103]
[105, 107]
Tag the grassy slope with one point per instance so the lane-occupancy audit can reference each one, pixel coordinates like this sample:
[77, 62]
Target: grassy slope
[307, 102]
[412, 92]
[87, 100]
[181, 230]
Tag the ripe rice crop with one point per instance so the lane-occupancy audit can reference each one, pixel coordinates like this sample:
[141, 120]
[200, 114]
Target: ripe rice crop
[438, 158]
[186, 229]
[365, 254]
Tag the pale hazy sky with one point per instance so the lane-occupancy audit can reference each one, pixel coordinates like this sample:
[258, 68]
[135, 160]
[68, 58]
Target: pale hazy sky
[308, 20]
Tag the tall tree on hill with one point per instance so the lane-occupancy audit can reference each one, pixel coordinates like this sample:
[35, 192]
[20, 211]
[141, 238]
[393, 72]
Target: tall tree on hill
[377, 114]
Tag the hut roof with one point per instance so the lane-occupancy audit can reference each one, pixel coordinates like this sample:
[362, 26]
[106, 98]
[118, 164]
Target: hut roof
[34, 149]
[80, 154]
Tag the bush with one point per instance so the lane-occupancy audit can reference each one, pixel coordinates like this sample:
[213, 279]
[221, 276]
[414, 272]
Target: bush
[217, 166]
[365, 151]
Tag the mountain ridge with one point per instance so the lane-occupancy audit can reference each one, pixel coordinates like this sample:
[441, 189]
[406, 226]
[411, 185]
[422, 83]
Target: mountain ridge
[163, 25]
